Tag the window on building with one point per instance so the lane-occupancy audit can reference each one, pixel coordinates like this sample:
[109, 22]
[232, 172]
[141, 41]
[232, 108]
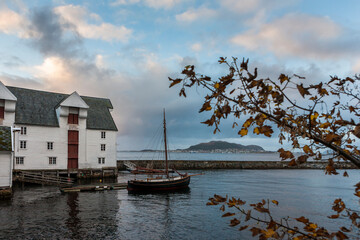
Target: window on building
[52, 160]
[101, 160]
[50, 145]
[2, 108]
[73, 118]
[103, 134]
[2, 112]
[19, 160]
[23, 130]
[23, 144]
[103, 147]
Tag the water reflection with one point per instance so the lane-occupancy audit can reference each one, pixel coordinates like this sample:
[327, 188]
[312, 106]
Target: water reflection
[73, 222]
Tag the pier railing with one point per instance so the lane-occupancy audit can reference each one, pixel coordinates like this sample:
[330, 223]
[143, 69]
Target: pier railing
[40, 178]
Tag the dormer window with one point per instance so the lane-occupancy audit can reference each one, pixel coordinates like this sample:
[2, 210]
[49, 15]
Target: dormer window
[73, 117]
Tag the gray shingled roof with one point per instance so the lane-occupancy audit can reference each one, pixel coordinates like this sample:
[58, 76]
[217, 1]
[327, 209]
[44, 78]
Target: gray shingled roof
[35, 107]
[5, 138]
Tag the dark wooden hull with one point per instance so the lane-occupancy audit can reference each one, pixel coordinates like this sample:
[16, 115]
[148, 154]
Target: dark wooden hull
[160, 186]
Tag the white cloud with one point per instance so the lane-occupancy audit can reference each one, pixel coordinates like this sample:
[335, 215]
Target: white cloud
[150, 3]
[196, 47]
[252, 6]
[77, 16]
[13, 23]
[192, 15]
[293, 34]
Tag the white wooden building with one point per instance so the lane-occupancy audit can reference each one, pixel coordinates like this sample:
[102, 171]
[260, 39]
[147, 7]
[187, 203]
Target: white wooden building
[5, 157]
[59, 131]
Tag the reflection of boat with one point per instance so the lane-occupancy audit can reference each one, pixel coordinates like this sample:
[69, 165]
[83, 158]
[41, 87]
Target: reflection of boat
[160, 183]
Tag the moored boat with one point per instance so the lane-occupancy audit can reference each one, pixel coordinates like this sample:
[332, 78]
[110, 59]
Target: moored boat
[160, 184]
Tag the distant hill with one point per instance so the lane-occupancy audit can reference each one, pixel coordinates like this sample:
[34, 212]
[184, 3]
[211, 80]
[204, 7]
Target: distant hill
[223, 146]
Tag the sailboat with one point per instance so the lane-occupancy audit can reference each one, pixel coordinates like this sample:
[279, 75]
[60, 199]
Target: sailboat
[160, 184]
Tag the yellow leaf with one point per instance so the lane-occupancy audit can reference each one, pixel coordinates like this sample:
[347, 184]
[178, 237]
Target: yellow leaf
[314, 116]
[217, 85]
[313, 225]
[256, 130]
[275, 202]
[208, 108]
[268, 233]
[307, 149]
[325, 125]
[243, 132]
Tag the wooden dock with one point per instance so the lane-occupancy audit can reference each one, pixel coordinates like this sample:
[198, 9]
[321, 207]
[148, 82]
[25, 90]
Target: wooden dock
[42, 178]
[97, 187]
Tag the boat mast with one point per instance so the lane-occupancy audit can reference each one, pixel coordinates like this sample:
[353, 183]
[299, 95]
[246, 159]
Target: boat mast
[166, 154]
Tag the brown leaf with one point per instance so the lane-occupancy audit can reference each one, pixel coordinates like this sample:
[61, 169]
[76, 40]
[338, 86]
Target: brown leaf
[334, 216]
[340, 235]
[302, 159]
[303, 91]
[302, 219]
[292, 163]
[243, 227]
[222, 208]
[345, 174]
[275, 202]
[234, 222]
[255, 231]
[174, 81]
[228, 214]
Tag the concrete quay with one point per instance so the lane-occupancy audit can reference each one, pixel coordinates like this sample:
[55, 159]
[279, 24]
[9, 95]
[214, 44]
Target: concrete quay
[208, 165]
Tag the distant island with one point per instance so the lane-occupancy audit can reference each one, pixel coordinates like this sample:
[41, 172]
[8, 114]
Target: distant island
[214, 147]
[222, 147]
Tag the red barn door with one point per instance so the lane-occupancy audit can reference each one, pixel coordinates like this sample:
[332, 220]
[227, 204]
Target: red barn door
[73, 149]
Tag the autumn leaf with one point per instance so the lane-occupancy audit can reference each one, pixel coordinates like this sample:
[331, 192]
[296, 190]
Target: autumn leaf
[243, 227]
[174, 81]
[302, 219]
[234, 222]
[283, 78]
[302, 159]
[345, 174]
[217, 85]
[275, 202]
[314, 116]
[228, 214]
[268, 233]
[222, 208]
[334, 216]
[307, 149]
[255, 231]
[303, 91]
[243, 132]
[292, 163]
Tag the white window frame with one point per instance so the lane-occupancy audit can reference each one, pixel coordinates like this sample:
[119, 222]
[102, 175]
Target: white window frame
[52, 160]
[19, 160]
[101, 160]
[103, 147]
[50, 145]
[23, 130]
[23, 144]
[103, 135]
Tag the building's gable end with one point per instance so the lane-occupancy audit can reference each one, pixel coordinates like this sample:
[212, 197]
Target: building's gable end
[74, 100]
[5, 93]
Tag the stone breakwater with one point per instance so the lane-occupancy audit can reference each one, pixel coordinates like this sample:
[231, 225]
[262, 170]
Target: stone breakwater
[206, 165]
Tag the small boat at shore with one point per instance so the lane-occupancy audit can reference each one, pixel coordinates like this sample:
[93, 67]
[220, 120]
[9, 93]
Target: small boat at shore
[160, 183]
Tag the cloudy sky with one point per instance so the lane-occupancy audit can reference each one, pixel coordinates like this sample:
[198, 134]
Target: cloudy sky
[125, 50]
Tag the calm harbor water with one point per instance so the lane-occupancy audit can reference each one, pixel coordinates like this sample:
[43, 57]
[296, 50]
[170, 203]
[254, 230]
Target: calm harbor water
[37, 212]
[123, 155]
